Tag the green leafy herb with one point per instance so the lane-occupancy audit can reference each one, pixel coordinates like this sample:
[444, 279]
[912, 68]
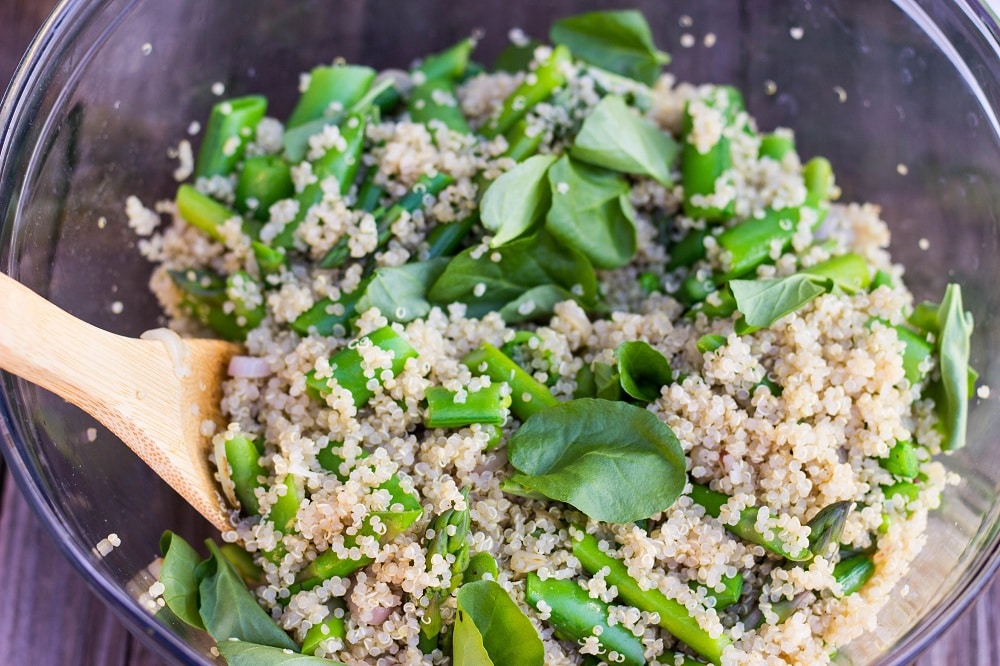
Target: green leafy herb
[229, 610]
[180, 587]
[618, 41]
[591, 212]
[955, 325]
[400, 292]
[764, 302]
[642, 370]
[541, 299]
[243, 653]
[485, 285]
[611, 460]
[516, 201]
[614, 137]
[491, 629]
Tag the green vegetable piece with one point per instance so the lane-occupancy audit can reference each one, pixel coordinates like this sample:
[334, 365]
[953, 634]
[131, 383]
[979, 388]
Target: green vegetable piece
[902, 461]
[685, 252]
[924, 317]
[710, 342]
[246, 471]
[616, 138]
[369, 194]
[745, 528]
[331, 627]
[177, 574]
[607, 382]
[347, 369]
[751, 242]
[450, 64]
[205, 296]
[242, 291]
[916, 351]
[433, 103]
[549, 76]
[671, 658]
[611, 460]
[818, 177]
[229, 610]
[245, 653]
[731, 593]
[908, 490]
[591, 212]
[826, 527]
[953, 348]
[516, 202]
[483, 406]
[516, 57]
[284, 510]
[649, 282]
[763, 302]
[400, 292]
[485, 285]
[701, 171]
[853, 573]
[491, 629]
[618, 41]
[674, 617]
[849, 272]
[523, 141]
[585, 385]
[331, 88]
[269, 260]
[202, 211]
[328, 317]
[231, 125]
[264, 180]
[481, 566]
[642, 370]
[882, 279]
[575, 617]
[243, 562]
[528, 395]
[775, 146]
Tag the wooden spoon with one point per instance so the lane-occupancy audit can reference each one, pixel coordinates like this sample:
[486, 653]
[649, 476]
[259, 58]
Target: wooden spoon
[154, 394]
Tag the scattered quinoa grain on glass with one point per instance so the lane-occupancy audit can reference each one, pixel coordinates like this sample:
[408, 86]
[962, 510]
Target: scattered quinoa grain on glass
[566, 346]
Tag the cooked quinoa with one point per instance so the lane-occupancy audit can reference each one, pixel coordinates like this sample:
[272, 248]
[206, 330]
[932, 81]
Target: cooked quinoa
[843, 402]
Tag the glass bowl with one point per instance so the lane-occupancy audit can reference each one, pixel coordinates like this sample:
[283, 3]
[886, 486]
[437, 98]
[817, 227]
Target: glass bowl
[902, 97]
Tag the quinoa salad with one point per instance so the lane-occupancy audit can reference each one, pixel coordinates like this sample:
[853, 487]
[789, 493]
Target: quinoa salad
[553, 361]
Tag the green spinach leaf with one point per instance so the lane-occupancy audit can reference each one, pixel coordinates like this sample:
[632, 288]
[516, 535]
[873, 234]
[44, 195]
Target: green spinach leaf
[180, 587]
[537, 299]
[591, 212]
[242, 653]
[229, 610]
[491, 629]
[619, 41]
[516, 201]
[615, 138]
[400, 292]
[764, 302]
[611, 460]
[485, 285]
[642, 370]
[955, 325]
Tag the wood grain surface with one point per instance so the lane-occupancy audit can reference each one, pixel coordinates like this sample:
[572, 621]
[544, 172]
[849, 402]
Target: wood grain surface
[50, 617]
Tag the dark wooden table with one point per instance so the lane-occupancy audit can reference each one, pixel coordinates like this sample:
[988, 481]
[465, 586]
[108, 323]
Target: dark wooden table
[50, 617]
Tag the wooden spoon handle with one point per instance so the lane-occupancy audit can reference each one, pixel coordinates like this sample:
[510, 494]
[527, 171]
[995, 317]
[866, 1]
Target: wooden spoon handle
[75, 360]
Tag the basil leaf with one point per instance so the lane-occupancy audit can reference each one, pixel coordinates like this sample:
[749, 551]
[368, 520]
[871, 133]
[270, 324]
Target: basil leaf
[243, 653]
[955, 325]
[611, 460]
[618, 41]
[591, 212]
[607, 382]
[615, 138]
[491, 629]
[400, 292]
[517, 200]
[485, 286]
[537, 299]
[764, 302]
[643, 371]
[229, 610]
[180, 587]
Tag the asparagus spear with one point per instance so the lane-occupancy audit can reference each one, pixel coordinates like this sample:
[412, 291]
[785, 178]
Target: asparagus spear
[528, 395]
[231, 124]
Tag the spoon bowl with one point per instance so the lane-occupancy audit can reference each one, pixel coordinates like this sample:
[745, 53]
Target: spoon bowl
[159, 394]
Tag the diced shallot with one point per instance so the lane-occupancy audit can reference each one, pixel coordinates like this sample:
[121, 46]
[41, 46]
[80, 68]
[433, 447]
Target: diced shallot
[249, 367]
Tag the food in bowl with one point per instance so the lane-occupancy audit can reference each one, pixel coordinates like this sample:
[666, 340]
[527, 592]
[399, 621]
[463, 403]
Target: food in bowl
[558, 362]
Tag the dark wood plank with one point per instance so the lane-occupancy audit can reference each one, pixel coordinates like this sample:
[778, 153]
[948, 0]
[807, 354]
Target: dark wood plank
[50, 617]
